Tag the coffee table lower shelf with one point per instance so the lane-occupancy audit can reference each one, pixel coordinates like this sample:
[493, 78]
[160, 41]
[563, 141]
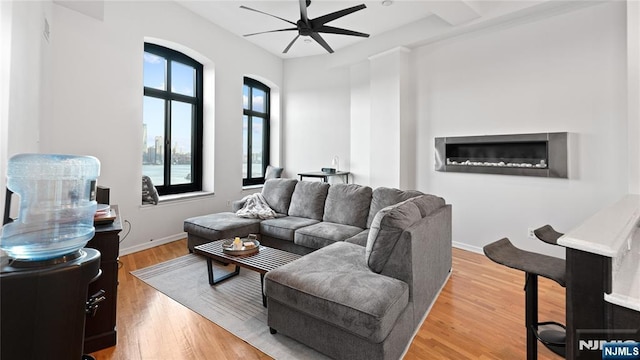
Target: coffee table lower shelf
[265, 260]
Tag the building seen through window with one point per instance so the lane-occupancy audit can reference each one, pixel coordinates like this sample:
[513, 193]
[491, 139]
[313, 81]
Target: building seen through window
[255, 131]
[172, 120]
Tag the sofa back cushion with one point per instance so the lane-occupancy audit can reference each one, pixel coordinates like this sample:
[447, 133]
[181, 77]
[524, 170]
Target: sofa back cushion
[348, 204]
[308, 199]
[428, 203]
[383, 197]
[386, 229]
[277, 193]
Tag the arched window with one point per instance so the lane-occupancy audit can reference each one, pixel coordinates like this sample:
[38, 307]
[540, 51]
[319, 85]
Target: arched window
[255, 131]
[172, 120]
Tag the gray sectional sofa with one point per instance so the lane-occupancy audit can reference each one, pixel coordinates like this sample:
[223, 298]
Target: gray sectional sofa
[375, 261]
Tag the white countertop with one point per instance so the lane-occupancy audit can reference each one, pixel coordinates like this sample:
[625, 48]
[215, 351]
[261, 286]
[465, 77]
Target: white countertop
[614, 232]
[626, 278]
[607, 231]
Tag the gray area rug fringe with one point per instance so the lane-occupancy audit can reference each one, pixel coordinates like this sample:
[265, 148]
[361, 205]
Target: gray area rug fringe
[235, 304]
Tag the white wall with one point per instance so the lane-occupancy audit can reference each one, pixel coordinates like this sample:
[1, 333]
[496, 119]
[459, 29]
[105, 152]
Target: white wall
[25, 65]
[317, 115]
[360, 139]
[561, 71]
[6, 16]
[95, 70]
[633, 95]
[565, 73]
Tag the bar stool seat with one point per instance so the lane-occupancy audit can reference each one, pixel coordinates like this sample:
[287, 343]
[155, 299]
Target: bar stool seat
[547, 234]
[551, 334]
[505, 253]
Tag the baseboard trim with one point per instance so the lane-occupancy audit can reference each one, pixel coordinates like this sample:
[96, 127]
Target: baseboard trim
[152, 243]
[467, 247]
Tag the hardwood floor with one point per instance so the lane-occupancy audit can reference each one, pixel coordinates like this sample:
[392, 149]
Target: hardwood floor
[478, 315]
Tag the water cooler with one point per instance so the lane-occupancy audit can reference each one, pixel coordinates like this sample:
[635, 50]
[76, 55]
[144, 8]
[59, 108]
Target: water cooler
[45, 271]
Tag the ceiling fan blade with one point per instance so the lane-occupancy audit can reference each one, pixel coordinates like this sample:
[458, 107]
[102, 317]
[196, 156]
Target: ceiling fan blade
[303, 11]
[334, 30]
[334, 15]
[262, 12]
[290, 44]
[321, 41]
[270, 31]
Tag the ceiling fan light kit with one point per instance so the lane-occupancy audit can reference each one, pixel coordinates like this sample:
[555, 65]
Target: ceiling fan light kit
[313, 27]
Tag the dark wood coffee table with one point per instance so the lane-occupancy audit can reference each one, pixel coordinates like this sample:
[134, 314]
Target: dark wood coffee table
[265, 260]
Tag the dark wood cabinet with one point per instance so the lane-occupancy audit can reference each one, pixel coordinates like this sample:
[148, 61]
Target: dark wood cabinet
[100, 330]
[590, 318]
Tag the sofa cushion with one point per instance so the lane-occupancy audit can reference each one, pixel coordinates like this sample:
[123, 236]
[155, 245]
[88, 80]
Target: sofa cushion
[428, 203]
[348, 204]
[323, 234]
[386, 229]
[284, 227]
[383, 197]
[308, 199]
[221, 226]
[335, 285]
[277, 193]
[359, 238]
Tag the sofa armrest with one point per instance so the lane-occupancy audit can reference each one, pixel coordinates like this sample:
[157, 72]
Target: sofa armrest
[423, 256]
[237, 205]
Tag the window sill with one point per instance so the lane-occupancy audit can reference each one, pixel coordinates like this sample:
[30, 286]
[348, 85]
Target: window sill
[176, 198]
[252, 187]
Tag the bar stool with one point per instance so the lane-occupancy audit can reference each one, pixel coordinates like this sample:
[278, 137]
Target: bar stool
[551, 334]
[547, 234]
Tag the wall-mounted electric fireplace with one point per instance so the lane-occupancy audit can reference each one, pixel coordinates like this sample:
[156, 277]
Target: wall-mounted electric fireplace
[541, 154]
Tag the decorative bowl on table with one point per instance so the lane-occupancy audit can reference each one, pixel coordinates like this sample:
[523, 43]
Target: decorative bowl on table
[248, 247]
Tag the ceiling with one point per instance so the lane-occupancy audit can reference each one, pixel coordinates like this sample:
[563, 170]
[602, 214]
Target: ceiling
[402, 23]
[375, 20]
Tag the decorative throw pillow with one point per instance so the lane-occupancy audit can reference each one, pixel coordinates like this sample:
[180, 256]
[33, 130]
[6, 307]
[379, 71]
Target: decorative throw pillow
[149, 192]
[272, 172]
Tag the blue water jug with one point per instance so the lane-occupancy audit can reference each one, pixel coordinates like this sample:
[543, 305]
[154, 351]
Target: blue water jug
[57, 205]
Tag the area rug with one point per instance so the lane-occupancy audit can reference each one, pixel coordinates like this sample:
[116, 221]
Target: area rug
[234, 304]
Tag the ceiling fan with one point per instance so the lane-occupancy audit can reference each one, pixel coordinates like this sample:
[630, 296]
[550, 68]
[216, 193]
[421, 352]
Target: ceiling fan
[313, 27]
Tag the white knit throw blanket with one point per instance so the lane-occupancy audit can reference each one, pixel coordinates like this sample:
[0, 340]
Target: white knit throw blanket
[256, 207]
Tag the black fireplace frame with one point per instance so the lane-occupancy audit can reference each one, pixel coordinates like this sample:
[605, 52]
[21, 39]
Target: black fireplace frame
[550, 159]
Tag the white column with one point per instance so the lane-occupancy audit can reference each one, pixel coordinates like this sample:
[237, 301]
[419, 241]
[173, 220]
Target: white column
[633, 94]
[360, 135]
[392, 125]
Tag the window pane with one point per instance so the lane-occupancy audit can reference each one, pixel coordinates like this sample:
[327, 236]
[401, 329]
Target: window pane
[256, 147]
[154, 71]
[181, 125]
[153, 139]
[259, 100]
[245, 145]
[182, 78]
[245, 97]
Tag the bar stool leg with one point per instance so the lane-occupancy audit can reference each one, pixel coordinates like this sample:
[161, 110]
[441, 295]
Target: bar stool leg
[531, 314]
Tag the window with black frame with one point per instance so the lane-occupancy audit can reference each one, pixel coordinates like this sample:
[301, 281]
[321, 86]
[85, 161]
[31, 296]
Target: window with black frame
[172, 120]
[255, 131]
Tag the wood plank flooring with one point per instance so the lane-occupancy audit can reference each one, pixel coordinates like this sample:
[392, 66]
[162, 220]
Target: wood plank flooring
[478, 315]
